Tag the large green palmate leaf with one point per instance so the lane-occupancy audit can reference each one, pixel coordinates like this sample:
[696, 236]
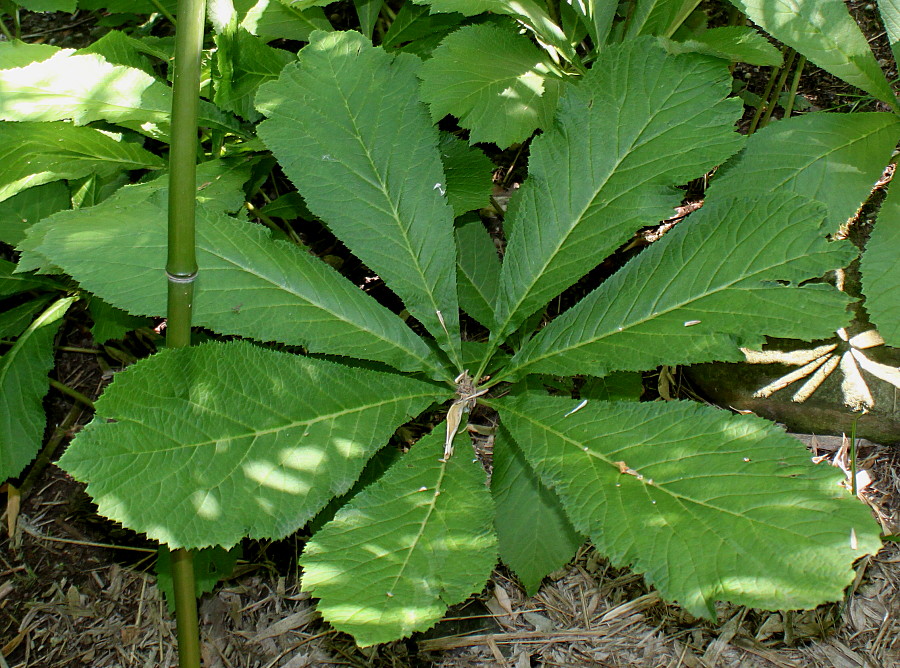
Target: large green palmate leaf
[206, 445]
[639, 123]
[534, 534]
[708, 505]
[415, 542]
[495, 81]
[833, 158]
[824, 32]
[23, 384]
[713, 283]
[352, 111]
[86, 88]
[248, 284]
[32, 154]
[881, 270]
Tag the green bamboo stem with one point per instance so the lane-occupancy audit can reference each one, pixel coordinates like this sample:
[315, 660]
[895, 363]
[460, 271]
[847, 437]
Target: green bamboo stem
[181, 266]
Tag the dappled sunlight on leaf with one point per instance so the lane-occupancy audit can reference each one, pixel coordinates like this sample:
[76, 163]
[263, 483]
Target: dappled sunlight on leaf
[249, 284]
[407, 547]
[695, 498]
[343, 91]
[206, 505]
[503, 103]
[212, 426]
[709, 285]
[273, 476]
[86, 88]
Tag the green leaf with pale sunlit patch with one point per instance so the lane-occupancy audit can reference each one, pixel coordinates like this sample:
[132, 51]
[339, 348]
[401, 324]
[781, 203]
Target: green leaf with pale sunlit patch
[406, 548]
[183, 434]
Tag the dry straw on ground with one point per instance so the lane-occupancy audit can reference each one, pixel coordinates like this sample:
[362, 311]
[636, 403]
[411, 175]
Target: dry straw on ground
[588, 614]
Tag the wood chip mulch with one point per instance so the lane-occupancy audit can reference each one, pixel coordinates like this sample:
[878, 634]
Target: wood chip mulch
[103, 614]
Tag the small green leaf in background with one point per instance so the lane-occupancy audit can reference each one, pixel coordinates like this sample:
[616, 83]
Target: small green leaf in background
[270, 19]
[112, 323]
[86, 88]
[597, 16]
[414, 22]
[14, 321]
[711, 284]
[352, 110]
[118, 48]
[733, 43]
[21, 211]
[608, 166]
[881, 270]
[658, 17]
[618, 386]
[252, 63]
[368, 11]
[528, 12]
[12, 281]
[824, 32]
[128, 6]
[301, 5]
[832, 158]
[468, 173]
[184, 433]
[19, 54]
[708, 505]
[211, 565]
[67, 6]
[478, 271]
[405, 549]
[23, 384]
[496, 82]
[93, 189]
[890, 16]
[289, 206]
[33, 154]
[536, 538]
